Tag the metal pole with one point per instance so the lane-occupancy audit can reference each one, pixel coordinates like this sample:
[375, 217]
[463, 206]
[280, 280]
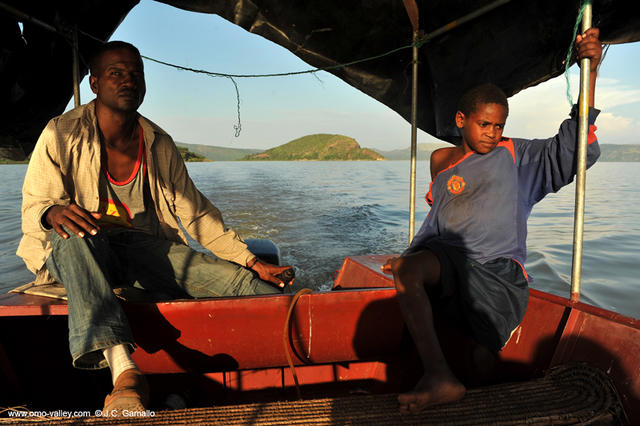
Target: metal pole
[414, 133]
[76, 69]
[583, 124]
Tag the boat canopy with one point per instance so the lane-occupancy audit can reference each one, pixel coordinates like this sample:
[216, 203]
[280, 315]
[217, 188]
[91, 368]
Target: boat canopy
[516, 44]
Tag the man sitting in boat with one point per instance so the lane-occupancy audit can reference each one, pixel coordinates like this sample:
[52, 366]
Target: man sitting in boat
[467, 258]
[103, 197]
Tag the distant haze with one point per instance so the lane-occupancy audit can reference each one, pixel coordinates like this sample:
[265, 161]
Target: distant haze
[610, 152]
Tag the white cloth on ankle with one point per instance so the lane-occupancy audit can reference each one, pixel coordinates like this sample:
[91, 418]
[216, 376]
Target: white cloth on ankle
[119, 360]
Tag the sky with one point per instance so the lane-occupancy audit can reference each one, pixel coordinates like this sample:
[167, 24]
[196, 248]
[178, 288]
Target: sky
[198, 109]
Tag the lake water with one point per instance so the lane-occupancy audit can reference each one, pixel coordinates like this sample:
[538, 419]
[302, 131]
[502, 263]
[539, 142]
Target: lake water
[320, 212]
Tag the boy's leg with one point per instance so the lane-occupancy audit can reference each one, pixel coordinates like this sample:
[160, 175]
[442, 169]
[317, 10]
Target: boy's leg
[96, 319]
[412, 273]
[175, 270]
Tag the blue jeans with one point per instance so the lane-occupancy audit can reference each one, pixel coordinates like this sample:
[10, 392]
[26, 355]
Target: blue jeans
[90, 267]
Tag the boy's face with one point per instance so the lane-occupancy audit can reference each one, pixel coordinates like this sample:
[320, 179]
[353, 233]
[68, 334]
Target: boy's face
[482, 129]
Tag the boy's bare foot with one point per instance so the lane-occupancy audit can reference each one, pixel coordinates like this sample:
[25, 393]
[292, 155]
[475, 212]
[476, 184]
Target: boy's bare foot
[431, 390]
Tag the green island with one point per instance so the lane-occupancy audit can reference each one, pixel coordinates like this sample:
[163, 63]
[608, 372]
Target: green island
[340, 147]
[323, 147]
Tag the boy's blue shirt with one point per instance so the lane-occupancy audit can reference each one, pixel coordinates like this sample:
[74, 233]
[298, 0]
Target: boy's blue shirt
[481, 203]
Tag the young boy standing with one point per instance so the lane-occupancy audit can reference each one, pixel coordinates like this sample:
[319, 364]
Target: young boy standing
[468, 256]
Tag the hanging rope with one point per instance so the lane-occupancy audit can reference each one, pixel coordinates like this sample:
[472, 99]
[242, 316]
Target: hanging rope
[285, 74]
[567, 61]
[237, 127]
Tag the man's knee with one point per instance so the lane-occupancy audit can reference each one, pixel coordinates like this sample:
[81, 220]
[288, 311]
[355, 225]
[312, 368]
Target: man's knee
[64, 250]
[58, 241]
[55, 239]
[74, 252]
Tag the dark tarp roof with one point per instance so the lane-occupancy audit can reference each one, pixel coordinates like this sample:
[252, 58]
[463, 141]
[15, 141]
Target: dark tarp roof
[516, 45]
[36, 80]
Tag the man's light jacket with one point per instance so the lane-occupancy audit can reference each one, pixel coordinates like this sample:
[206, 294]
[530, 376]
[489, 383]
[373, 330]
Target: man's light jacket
[65, 167]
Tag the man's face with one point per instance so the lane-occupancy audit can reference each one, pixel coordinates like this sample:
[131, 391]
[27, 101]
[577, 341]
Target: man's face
[119, 85]
[482, 129]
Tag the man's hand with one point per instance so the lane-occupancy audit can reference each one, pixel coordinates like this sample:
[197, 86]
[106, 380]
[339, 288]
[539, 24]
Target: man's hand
[74, 218]
[268, 272]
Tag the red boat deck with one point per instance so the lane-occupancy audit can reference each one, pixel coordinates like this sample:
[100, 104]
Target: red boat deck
[554, 331]
[348, 339]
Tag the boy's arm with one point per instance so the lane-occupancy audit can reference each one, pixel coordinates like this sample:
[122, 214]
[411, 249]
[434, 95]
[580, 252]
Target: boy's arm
[435, 163]
[547, 165]
[441, 159]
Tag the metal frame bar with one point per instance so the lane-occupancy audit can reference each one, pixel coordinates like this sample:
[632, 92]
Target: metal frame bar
[466, 18]
[28, 18]
[414, 137]
[583, 127]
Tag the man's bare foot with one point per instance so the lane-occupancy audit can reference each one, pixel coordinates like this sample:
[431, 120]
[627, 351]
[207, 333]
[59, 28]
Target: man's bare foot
[431, 390]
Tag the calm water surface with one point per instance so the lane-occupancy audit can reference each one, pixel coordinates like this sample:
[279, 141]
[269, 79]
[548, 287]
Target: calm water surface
[320, 212]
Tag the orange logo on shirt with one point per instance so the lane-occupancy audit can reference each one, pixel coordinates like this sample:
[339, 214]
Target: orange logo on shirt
[455, 185]
[114, 213]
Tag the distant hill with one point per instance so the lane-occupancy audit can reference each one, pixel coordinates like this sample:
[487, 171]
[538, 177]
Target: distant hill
[318, 147]
[11, 152]
[218, 153]
[187, 155]
[424, 151]
[619, 153]
[609, 152]
[190, 156]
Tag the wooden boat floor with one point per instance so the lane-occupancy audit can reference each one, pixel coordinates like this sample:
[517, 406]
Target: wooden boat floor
[567, 394]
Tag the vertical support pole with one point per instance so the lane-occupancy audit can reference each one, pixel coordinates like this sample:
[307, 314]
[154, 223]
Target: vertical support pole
[412, 12]
[76, 68]
[583, 124]
[414, 133]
